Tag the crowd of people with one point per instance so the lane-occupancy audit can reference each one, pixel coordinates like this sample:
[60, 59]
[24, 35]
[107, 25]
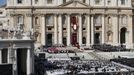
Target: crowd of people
[78, 67]
[109, 48]
[125, 61]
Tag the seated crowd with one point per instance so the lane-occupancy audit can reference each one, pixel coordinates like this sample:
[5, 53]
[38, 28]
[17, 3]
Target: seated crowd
[109, 48]
[125, 61]
[78, 67]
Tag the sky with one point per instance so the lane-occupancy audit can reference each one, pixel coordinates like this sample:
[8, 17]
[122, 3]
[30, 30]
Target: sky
[2, 2]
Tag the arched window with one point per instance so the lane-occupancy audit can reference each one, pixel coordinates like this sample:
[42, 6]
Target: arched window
[109, 36]
[109, 20]
[83, 20]
[36, 20]
[20, 19]
[124, 19]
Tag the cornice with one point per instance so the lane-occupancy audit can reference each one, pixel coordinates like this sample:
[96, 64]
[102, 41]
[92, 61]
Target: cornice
[46, 7]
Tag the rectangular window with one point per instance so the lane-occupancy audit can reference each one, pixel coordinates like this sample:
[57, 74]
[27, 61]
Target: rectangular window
[97, 1]
[1, 24]
[19, 1]
[36, 21]
[97, 20]
[1, 12]
[109, 2]
[20, 19]
[49, 20]
[49, 1]
[84, 1]
[36, 1]
[122, 2]
[64, 20]
[64, 1]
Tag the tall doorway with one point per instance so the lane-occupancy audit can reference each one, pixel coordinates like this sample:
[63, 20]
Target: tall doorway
[49, 40]
[97, 38]
[21, 61]
[74, 39]
[64, 41]
[123, 35]
[4, 55]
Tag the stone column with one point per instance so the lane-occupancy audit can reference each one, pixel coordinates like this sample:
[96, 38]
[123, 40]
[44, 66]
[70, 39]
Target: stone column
[29, 22]
[126, 39]
[115, 23]
[60, 29]
[11, 21]
[130, 31]
[29, 63]
[0, 56]
[92, 29]
[43, 30]
[103, 29]
[88, 31]
[68, 30]
[80, 29]
[55, 30]
[9, 55]
[14, 61]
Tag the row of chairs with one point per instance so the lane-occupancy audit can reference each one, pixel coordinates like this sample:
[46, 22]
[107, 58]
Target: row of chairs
[109, 48]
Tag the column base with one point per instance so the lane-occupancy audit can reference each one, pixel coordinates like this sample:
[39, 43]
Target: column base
[115, 44]
[88, 45]
[130, 46]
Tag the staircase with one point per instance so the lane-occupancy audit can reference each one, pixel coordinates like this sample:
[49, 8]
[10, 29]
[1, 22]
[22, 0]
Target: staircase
[97, 57]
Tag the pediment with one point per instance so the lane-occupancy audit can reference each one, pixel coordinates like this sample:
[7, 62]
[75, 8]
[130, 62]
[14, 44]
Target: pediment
[74, 4]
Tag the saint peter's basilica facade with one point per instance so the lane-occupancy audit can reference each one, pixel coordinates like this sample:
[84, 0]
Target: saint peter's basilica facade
[71, 22]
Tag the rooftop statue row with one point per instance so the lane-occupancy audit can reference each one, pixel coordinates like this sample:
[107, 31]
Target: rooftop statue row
[8, 32]
[64, 3]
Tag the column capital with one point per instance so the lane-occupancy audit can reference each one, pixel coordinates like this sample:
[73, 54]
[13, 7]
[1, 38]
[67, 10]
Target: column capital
[92, 14]
[103, 14]
[68, 14]
[29, 15]
[42, 15]
[86, 13]
[130, 15]
[12, 15]
[58, 13]
[80, 13]
[115, 14]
